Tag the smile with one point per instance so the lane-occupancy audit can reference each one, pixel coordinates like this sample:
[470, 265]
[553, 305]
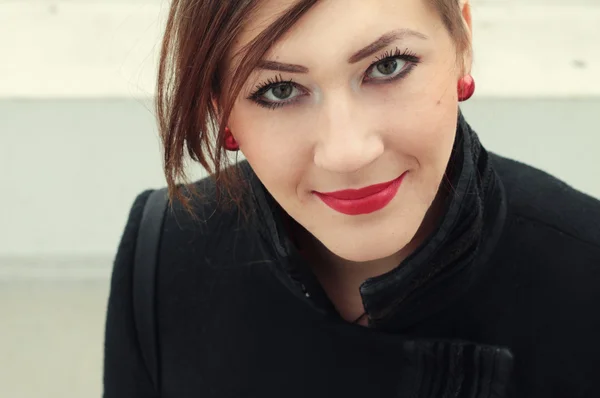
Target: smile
[366, 200]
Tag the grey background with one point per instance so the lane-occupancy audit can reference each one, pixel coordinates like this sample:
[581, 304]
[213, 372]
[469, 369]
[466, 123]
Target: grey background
[75, 166]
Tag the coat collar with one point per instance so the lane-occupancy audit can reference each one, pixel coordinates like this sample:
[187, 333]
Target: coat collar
[445, 266]
[441, 270]
[451, 260]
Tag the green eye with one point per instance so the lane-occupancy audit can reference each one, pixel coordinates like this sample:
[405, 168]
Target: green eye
[277, 92]
[386, 68]
[281, 91]
[392, 66]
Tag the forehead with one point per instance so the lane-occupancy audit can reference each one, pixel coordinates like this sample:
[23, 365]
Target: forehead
[336, 25]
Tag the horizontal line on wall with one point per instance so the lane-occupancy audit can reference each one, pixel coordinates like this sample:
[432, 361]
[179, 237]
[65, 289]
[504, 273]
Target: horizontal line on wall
[56, 267]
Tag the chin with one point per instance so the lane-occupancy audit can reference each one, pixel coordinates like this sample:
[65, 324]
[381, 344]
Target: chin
[367, 249]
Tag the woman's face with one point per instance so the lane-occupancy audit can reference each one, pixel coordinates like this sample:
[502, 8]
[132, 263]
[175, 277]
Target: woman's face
[364, 93]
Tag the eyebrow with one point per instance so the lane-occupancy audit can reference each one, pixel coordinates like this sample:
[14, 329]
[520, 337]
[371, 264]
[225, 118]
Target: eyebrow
[282, 67]
[382, 42]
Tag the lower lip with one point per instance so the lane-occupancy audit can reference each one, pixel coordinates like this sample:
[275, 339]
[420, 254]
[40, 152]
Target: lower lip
[366, 205]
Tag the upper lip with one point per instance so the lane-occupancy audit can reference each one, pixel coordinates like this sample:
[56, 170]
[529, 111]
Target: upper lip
[355, 194]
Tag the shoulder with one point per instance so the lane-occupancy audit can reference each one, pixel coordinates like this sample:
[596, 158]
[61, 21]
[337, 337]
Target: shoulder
[545, 200]
[130, 232]
[551, 243]
[211, 226]
[214, 230]
[547, 272]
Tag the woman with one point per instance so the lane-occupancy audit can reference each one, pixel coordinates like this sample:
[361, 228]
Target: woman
[369, 246]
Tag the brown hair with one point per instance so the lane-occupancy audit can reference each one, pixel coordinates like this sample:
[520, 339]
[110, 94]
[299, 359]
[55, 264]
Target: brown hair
[197, 41]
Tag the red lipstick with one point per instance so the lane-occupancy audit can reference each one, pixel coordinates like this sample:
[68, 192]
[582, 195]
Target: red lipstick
[362, 201]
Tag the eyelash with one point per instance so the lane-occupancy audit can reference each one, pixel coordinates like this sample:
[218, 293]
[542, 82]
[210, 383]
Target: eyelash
[410, 57]
[266, 86]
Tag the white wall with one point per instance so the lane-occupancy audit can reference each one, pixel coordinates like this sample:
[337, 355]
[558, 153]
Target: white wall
[77, 134]
[84, 48]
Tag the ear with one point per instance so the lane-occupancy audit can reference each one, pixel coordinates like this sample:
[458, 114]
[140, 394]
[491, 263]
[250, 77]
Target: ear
[465, 6]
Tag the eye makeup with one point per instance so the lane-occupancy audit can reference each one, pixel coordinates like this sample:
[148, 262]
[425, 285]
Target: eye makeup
[275, 87]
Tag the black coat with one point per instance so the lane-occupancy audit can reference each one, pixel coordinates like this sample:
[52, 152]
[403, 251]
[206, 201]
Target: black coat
[503, 300]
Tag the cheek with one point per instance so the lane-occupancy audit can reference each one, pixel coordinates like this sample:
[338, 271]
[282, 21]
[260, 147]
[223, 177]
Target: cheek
[425, 129]
[277, 153]
[423, 134]
[420, 113]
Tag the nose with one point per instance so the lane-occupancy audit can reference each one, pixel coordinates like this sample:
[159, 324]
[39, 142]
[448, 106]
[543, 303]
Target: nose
[347, 141]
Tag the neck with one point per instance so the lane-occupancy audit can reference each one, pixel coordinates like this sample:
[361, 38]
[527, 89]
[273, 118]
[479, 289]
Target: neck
[341, 279]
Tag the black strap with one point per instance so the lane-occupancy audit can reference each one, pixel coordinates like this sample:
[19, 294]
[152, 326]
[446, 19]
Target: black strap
[144, 279]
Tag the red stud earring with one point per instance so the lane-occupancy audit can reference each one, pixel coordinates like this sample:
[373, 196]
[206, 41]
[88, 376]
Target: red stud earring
[466, 88]
[230, 142]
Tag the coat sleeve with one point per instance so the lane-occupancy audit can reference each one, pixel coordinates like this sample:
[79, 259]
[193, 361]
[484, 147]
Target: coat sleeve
[125, 373]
